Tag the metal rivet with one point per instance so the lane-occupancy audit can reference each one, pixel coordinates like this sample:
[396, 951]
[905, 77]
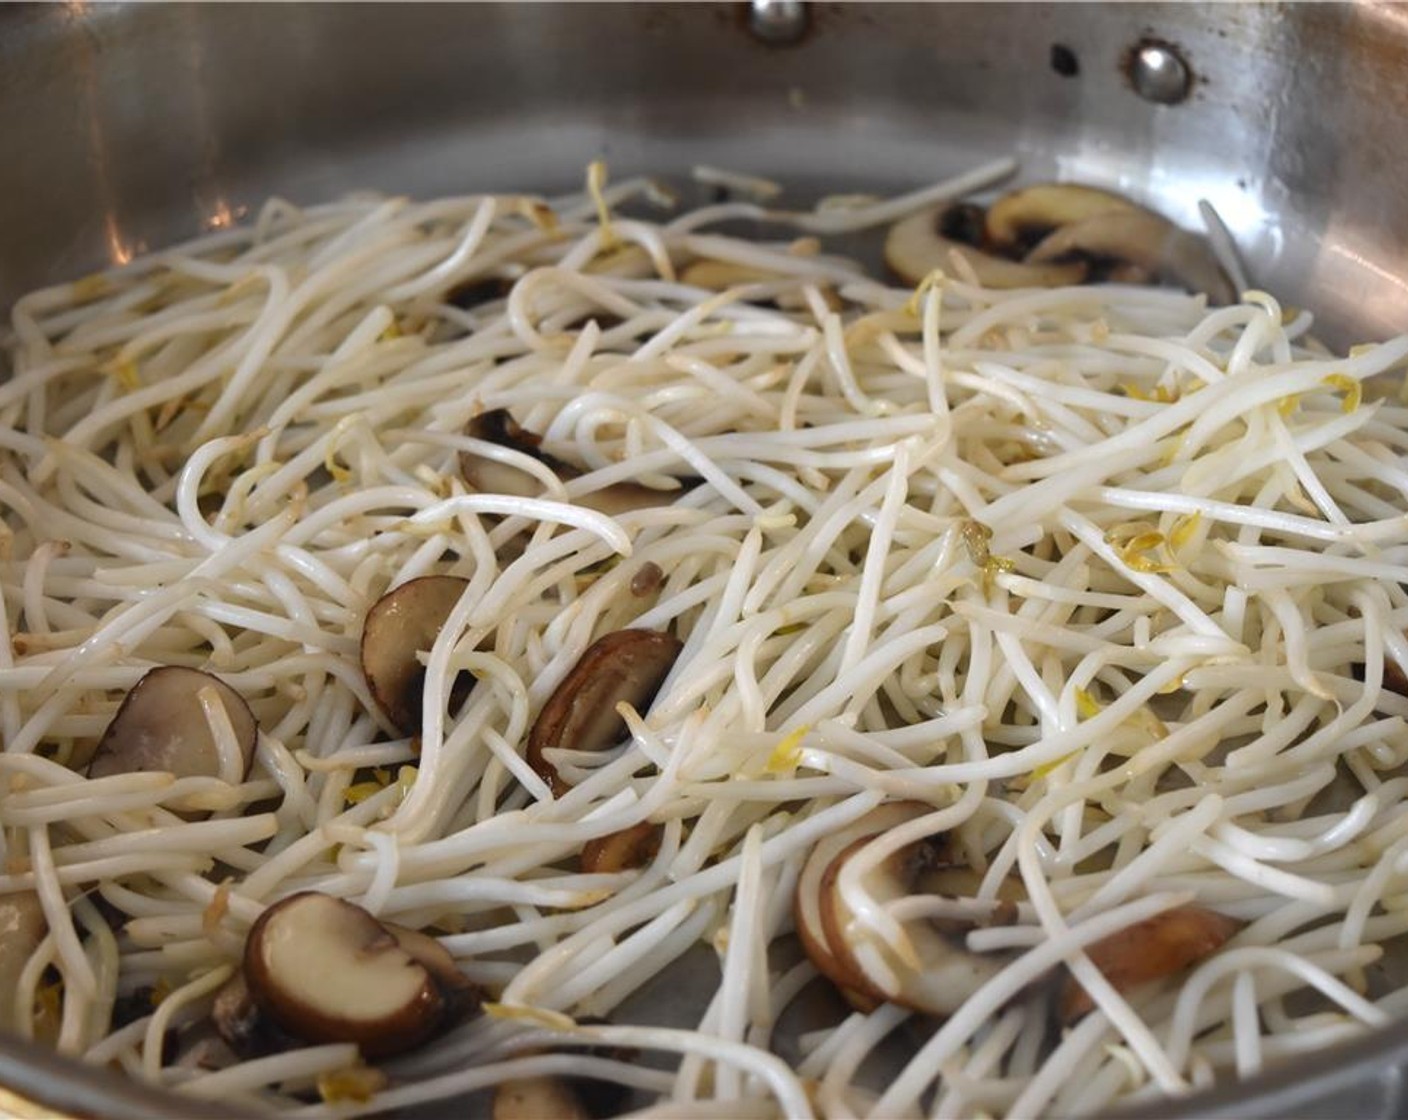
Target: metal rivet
[1158, 73]
[778, 22]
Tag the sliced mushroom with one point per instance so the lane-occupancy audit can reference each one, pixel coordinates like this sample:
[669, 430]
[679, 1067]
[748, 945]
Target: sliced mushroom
[625, 850]
[625, 497]
[1150, 950]
[325, 970]
[918, 245]
[538, 1098]
[401, 624]
[482, 289]
[1144, 240]
[488, 476]
[806, 902]
[1021, 218]
[1395, 680]
[572, 1097]
[245, 1028]
[719, 275]
[626, 666]
[22, 928]
[964, 882]
[251, 1033]
[460, 992]
[162, 726]
[943, 973]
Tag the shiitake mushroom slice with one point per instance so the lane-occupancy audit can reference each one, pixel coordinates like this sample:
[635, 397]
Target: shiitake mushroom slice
[162, 726]
[325, 970]
[624, 666]
[917, 245]
[489, 476]
[1150, 950]
[401, 624]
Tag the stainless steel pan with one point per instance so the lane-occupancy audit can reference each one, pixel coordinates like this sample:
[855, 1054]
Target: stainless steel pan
[124, 127]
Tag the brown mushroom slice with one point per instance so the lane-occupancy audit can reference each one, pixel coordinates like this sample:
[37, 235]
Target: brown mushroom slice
[469, 294]
[965, 882]
[489, 476]
[1150, 950]
[401, 624]
[720, 275]
[1146, 241]
[917, 245]
[460, 992]
[162, 726]
[1021, 218]
[243, 1026]
[22, 928]
[806, 901]
[625, 497]
[624, 850]
[1395, 680]
[626, 666]
[573, 1096]
[944, 973]
[325, 970]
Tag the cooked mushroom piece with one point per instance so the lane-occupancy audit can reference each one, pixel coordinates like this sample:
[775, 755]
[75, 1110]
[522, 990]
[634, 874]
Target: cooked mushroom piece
[917, 245]
[625, 850]
[1020, 219]
[162, 725]
[460, 992]
[718, 275]
[1150, 950]
[1395, 679]
[246, 1029]
[1145, 241]
[942, 973]
[489, 476]
[22, 928]
[626, 666]
[482, 289]
[325, 970]
[806, 901]
[401, 624]
[573, 1097]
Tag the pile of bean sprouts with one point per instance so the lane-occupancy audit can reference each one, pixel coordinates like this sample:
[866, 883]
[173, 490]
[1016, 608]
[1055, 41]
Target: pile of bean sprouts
[1106, 576]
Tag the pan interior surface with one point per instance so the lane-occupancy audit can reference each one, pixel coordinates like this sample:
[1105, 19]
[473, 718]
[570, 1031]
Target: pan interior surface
[132, 127]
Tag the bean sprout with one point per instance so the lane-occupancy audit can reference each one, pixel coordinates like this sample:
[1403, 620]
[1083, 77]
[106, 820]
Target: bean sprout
[1111, 581]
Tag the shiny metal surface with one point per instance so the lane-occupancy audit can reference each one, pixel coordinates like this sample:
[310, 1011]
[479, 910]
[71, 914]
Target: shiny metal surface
[779, 22]
[38, 1085]
[1158, 73]
[129, 126]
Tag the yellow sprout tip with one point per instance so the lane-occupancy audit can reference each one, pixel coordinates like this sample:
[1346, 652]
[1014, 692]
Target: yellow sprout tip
[1352, 390]
[1183, 529]
[355, 1084]
[787, 755]
[1047, 768]
[596, 186]
[1087, 707]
